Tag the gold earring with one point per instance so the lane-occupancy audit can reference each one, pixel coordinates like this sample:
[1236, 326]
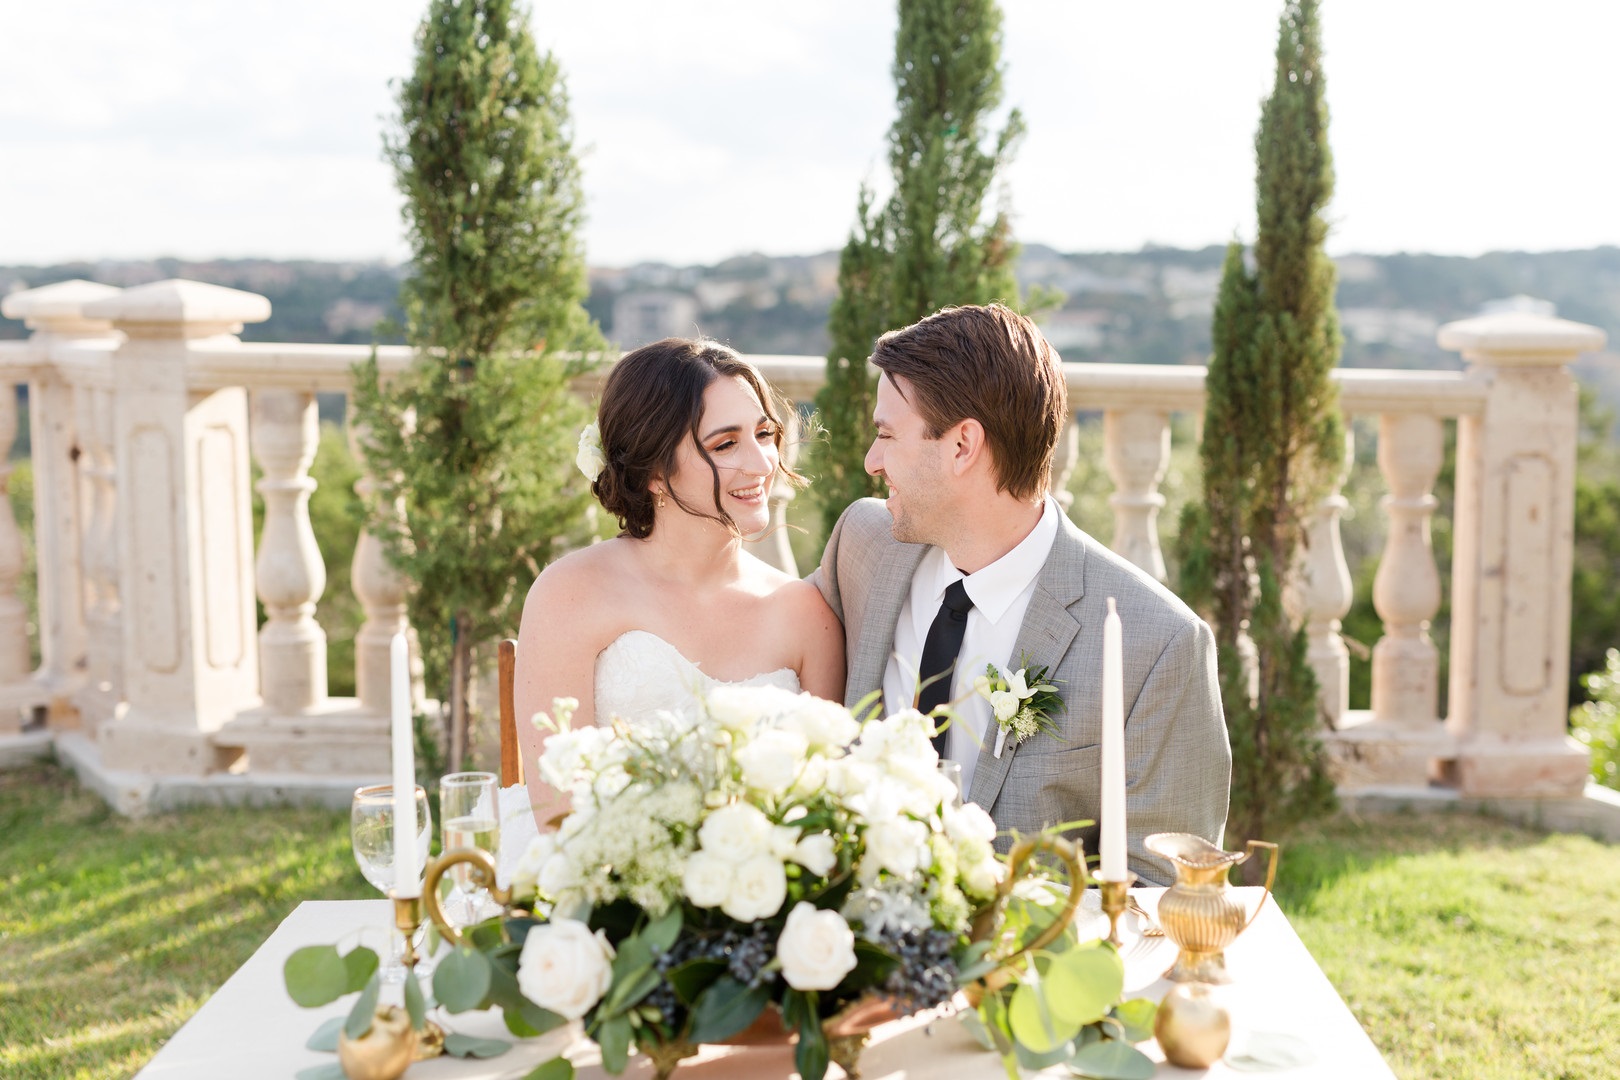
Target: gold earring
[660, 500]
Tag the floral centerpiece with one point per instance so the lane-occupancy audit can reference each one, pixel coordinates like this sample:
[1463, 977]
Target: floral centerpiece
[767, 858]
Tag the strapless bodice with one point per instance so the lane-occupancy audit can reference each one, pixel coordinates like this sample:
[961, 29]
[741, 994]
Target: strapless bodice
[639, 672]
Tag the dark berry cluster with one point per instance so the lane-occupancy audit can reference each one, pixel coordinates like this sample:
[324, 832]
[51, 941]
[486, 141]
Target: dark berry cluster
[926, 974]
[745, 954]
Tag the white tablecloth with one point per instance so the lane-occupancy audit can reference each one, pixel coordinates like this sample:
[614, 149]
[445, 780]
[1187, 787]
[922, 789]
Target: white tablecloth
[250, 1028]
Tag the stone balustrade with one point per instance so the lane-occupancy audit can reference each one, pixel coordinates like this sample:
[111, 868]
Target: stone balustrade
[146, 412]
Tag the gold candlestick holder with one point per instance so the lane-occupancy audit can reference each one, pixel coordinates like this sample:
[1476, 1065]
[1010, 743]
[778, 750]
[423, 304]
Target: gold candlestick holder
[1115, 894]
[408, 920]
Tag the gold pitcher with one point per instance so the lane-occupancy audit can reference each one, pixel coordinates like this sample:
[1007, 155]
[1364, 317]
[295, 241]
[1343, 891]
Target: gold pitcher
[1199, 913]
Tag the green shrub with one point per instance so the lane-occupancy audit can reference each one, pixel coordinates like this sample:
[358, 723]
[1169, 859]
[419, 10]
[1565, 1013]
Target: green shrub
[1597, 723]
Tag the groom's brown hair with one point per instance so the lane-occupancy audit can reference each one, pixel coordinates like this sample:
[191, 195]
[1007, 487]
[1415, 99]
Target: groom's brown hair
[993, 365]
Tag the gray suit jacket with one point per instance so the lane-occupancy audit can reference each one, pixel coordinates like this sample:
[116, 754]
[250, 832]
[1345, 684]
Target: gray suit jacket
[1178, 764]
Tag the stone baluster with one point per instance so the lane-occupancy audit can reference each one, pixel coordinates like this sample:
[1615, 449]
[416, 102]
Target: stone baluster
[1319, 594]
[777, 549]
[1064, 458]
[1137, 449]
[380, 588]
[290, 572]
[104, 608]
[15, 660]
[1406, 590]
[1512, 558]
[185, 530]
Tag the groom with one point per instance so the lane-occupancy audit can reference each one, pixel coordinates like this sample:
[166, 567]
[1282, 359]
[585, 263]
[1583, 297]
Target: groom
[970, 561]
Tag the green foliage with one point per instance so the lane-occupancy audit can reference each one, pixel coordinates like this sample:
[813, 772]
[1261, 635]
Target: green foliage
[1272, 444]
[1597, 722]
[1594, 601]
[932, 244]
[476, 441]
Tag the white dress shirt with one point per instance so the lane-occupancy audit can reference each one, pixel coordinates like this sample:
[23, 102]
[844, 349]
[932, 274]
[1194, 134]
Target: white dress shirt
[1000, 593]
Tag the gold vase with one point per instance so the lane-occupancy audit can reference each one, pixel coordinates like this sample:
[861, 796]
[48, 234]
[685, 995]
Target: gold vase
[384, 1052]
[1193, 1028]
[1199, 912]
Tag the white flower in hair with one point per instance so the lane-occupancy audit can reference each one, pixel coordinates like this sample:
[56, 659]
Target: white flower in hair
[589, 458]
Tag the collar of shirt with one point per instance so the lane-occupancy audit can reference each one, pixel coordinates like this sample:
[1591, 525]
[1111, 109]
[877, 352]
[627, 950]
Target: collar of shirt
[994, 588]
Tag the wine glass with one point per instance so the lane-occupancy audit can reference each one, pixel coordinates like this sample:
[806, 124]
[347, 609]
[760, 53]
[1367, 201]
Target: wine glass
[371, 832]
[470, 805]
[952, 771]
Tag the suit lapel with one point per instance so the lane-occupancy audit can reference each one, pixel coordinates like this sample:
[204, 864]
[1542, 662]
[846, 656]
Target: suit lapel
[890, 586]
[1047, 632]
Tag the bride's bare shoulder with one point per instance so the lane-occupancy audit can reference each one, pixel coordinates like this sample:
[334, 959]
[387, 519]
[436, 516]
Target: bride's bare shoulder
[586, 580]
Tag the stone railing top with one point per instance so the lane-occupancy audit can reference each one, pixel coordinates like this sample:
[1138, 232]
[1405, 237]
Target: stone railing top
[59, 308]
[1521, 336]
[180, 308]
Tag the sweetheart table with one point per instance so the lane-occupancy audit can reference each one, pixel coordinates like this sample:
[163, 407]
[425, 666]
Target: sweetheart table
[1281, 1005]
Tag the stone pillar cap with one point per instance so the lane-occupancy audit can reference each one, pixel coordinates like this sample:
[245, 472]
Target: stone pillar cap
[181, 308]
[1520, 334]
[59, 308]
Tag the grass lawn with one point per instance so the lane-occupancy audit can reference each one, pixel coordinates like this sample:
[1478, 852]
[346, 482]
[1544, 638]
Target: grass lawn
[1467, 948]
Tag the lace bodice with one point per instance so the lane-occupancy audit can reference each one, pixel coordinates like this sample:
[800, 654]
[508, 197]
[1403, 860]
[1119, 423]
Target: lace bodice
[639, 672]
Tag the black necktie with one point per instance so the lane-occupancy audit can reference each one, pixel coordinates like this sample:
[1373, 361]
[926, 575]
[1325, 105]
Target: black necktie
[939, 653]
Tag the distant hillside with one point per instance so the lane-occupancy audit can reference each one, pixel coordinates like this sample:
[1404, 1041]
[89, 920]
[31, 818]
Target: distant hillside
[1149, 306]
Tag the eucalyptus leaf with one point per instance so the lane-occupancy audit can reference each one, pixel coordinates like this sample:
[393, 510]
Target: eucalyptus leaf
[415, 1007]
[872, 966]
[1036, 1026]
[1029, 1059]
[660, 934]
[1082, 984]
[462, 980]
[523, 1017]
[693, 977]
[365, 1007]
[326, 1036]
[613, 1039]
[461, 1046]
[726, 1008]
[315, 975]
[811, 1055]
[558, 1068]
[1111, 1060]
[1137, 1016]
[360, 963]
[329, 1070]
[976, 1028]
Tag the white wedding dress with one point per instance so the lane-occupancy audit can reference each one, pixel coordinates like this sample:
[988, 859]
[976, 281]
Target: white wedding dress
[637, 674]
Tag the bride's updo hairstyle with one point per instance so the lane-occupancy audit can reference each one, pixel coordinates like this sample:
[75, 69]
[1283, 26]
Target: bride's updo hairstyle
[651, 405]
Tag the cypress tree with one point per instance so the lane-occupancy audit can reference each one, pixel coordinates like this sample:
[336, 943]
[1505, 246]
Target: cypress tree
[933, 243]
[1272, 442]
[476, 441]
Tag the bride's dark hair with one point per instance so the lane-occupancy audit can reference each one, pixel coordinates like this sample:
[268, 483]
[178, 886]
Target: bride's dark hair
[652, 403]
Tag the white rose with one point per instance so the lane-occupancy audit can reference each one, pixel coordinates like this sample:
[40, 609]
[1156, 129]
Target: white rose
[526, 874]
[772, 759]
[741, 708]
[817, 948]
[589, 458]
[758, 888]
[899, 846]
[564, 967]
[736, 832]
[706, 879]
[1006, 703]
[981, 878]
[557, 875]
[969, 821]
[567, 752]
[824, 724]
[815, 853]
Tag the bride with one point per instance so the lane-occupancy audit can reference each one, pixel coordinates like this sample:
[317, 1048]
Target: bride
[691, 441]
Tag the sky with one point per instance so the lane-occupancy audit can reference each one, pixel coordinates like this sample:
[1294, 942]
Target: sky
[709, 128]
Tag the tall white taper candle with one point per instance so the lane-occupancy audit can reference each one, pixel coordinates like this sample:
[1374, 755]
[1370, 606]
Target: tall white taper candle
[1113, 748]
[407, 872]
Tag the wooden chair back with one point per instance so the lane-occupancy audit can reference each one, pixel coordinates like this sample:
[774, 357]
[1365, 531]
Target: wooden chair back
[511, 750]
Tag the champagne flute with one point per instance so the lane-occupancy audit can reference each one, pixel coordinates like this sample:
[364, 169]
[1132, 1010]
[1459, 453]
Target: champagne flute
[371, 833]
[469, 803]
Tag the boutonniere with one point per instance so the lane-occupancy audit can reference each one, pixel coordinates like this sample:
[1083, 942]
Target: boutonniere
[1023, 702]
